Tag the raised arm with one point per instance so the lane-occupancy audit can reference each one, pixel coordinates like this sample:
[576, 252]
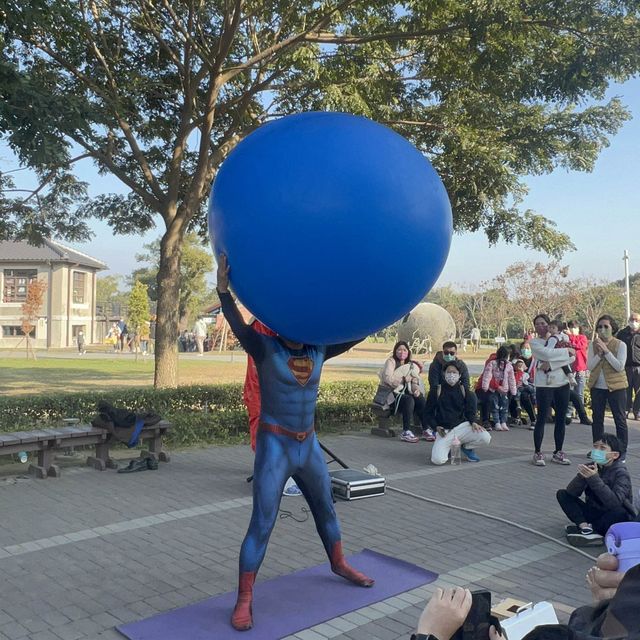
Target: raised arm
[250, 340]
[334, 350]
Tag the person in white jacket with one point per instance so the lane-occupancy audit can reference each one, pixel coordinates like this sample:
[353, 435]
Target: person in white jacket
[400, 375]
[552, 387]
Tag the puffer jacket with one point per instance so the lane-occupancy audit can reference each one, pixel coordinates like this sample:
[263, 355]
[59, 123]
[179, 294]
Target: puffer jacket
[609, 489]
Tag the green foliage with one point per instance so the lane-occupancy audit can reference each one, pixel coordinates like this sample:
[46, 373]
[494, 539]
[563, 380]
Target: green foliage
[109, 295]
[200, 414]
[138, 308]
[158, 94]
[195, 265]
[488, 89]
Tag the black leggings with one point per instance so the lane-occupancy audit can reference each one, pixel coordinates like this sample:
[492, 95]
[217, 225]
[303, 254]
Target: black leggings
[545, 396]
[409, 405]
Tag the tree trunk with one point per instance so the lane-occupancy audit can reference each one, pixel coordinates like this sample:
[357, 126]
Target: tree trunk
[166, 352]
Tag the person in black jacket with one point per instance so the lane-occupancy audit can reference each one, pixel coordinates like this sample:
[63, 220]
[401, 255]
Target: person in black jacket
[448, 355]
[451, 411]
[630, 335]
[606, 485]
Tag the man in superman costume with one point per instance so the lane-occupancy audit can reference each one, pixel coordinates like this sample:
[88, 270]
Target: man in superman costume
[289, 375]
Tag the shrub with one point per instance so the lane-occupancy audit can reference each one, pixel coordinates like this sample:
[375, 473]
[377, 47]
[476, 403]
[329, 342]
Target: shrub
[200, 414]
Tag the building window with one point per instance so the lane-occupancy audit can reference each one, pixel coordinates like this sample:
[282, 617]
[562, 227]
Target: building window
[15, 331]
[79, 279]
[16, 282]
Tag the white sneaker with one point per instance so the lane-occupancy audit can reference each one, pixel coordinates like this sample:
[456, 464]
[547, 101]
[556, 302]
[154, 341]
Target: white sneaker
[505, 426]
[291, 488]
[538, 460]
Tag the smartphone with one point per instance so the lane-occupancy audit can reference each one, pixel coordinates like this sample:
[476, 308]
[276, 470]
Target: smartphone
[476, 625]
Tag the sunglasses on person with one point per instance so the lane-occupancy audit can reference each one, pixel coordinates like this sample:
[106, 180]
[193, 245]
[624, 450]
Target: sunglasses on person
[449, 353]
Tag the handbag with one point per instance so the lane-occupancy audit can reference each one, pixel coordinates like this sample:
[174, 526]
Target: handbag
[381, 397]
[527, 619]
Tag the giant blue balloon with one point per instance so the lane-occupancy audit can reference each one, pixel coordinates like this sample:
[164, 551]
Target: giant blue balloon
[334, 226]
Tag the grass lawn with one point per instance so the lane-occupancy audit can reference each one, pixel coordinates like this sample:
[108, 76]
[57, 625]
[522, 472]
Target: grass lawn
[81, 373]
[69, 372]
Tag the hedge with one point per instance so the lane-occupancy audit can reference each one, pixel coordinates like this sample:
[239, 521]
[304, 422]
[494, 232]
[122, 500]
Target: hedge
[199, 413]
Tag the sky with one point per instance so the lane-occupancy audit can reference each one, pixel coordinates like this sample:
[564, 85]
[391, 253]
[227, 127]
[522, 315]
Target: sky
[599, 210]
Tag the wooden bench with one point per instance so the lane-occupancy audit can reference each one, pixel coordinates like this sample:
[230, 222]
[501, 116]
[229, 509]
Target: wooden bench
[47, 441]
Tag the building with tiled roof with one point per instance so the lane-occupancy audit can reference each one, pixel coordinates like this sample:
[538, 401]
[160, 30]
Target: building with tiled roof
[70, 300]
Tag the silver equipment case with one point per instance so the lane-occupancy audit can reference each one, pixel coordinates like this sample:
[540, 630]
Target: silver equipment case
[351, 484]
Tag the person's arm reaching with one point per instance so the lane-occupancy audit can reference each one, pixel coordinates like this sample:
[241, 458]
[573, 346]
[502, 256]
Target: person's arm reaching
[250, 340]
[334, 350]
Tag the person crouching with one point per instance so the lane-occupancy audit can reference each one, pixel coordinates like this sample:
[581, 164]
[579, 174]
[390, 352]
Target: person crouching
[451, 411]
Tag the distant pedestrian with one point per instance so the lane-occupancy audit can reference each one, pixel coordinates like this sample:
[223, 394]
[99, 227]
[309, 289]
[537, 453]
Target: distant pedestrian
[475, 339]
[124, 333]
[200, 333]
[80, 342]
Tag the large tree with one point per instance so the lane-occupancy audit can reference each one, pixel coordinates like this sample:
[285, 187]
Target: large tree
[195, 264]
[158, 92]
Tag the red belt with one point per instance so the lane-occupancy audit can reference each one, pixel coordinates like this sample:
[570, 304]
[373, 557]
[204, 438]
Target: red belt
[300, 436]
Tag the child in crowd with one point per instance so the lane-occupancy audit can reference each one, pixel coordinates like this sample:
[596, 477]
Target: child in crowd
[608, 496]
[559, 340]
[498, 379]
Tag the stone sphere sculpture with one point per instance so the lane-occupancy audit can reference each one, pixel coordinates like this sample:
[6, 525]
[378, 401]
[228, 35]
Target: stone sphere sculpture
[427, 320]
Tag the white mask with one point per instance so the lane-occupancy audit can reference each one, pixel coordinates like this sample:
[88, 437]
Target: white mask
[634, 325]
[452, 378]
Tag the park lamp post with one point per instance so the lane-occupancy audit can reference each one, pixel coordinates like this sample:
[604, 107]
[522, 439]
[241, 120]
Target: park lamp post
[627, 294]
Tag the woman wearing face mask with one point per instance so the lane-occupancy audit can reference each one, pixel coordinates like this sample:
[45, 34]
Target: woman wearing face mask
[552, 388]
[606, 358]
[606, 485]
[403, 389]
[451, 411]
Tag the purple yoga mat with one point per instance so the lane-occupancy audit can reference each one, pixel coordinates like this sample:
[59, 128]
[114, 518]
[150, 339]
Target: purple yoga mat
[286, 604]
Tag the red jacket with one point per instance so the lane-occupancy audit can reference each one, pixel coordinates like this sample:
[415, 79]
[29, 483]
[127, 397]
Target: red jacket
[580, 344]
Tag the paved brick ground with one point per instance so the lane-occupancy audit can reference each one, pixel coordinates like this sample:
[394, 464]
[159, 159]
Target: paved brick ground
[91, 550]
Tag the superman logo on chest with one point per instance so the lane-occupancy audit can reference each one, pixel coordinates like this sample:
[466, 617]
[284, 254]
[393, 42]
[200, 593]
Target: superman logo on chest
[301, 367]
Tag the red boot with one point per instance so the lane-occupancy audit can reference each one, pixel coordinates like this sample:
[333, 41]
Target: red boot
[242, 616]
[340, 567]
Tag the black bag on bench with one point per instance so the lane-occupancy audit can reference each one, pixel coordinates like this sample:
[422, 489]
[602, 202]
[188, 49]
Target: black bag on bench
[125, 426]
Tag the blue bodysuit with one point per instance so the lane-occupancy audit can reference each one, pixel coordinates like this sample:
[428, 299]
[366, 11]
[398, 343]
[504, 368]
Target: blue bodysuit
[289, 380]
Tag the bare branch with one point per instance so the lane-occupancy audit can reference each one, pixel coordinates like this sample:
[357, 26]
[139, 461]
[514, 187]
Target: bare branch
[230, 26]
[123, 176]
[326, 37]
[50, 177]
[291, 41]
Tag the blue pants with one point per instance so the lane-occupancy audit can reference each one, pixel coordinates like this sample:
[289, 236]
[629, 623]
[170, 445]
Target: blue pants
[499, 403]
[277, 458]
